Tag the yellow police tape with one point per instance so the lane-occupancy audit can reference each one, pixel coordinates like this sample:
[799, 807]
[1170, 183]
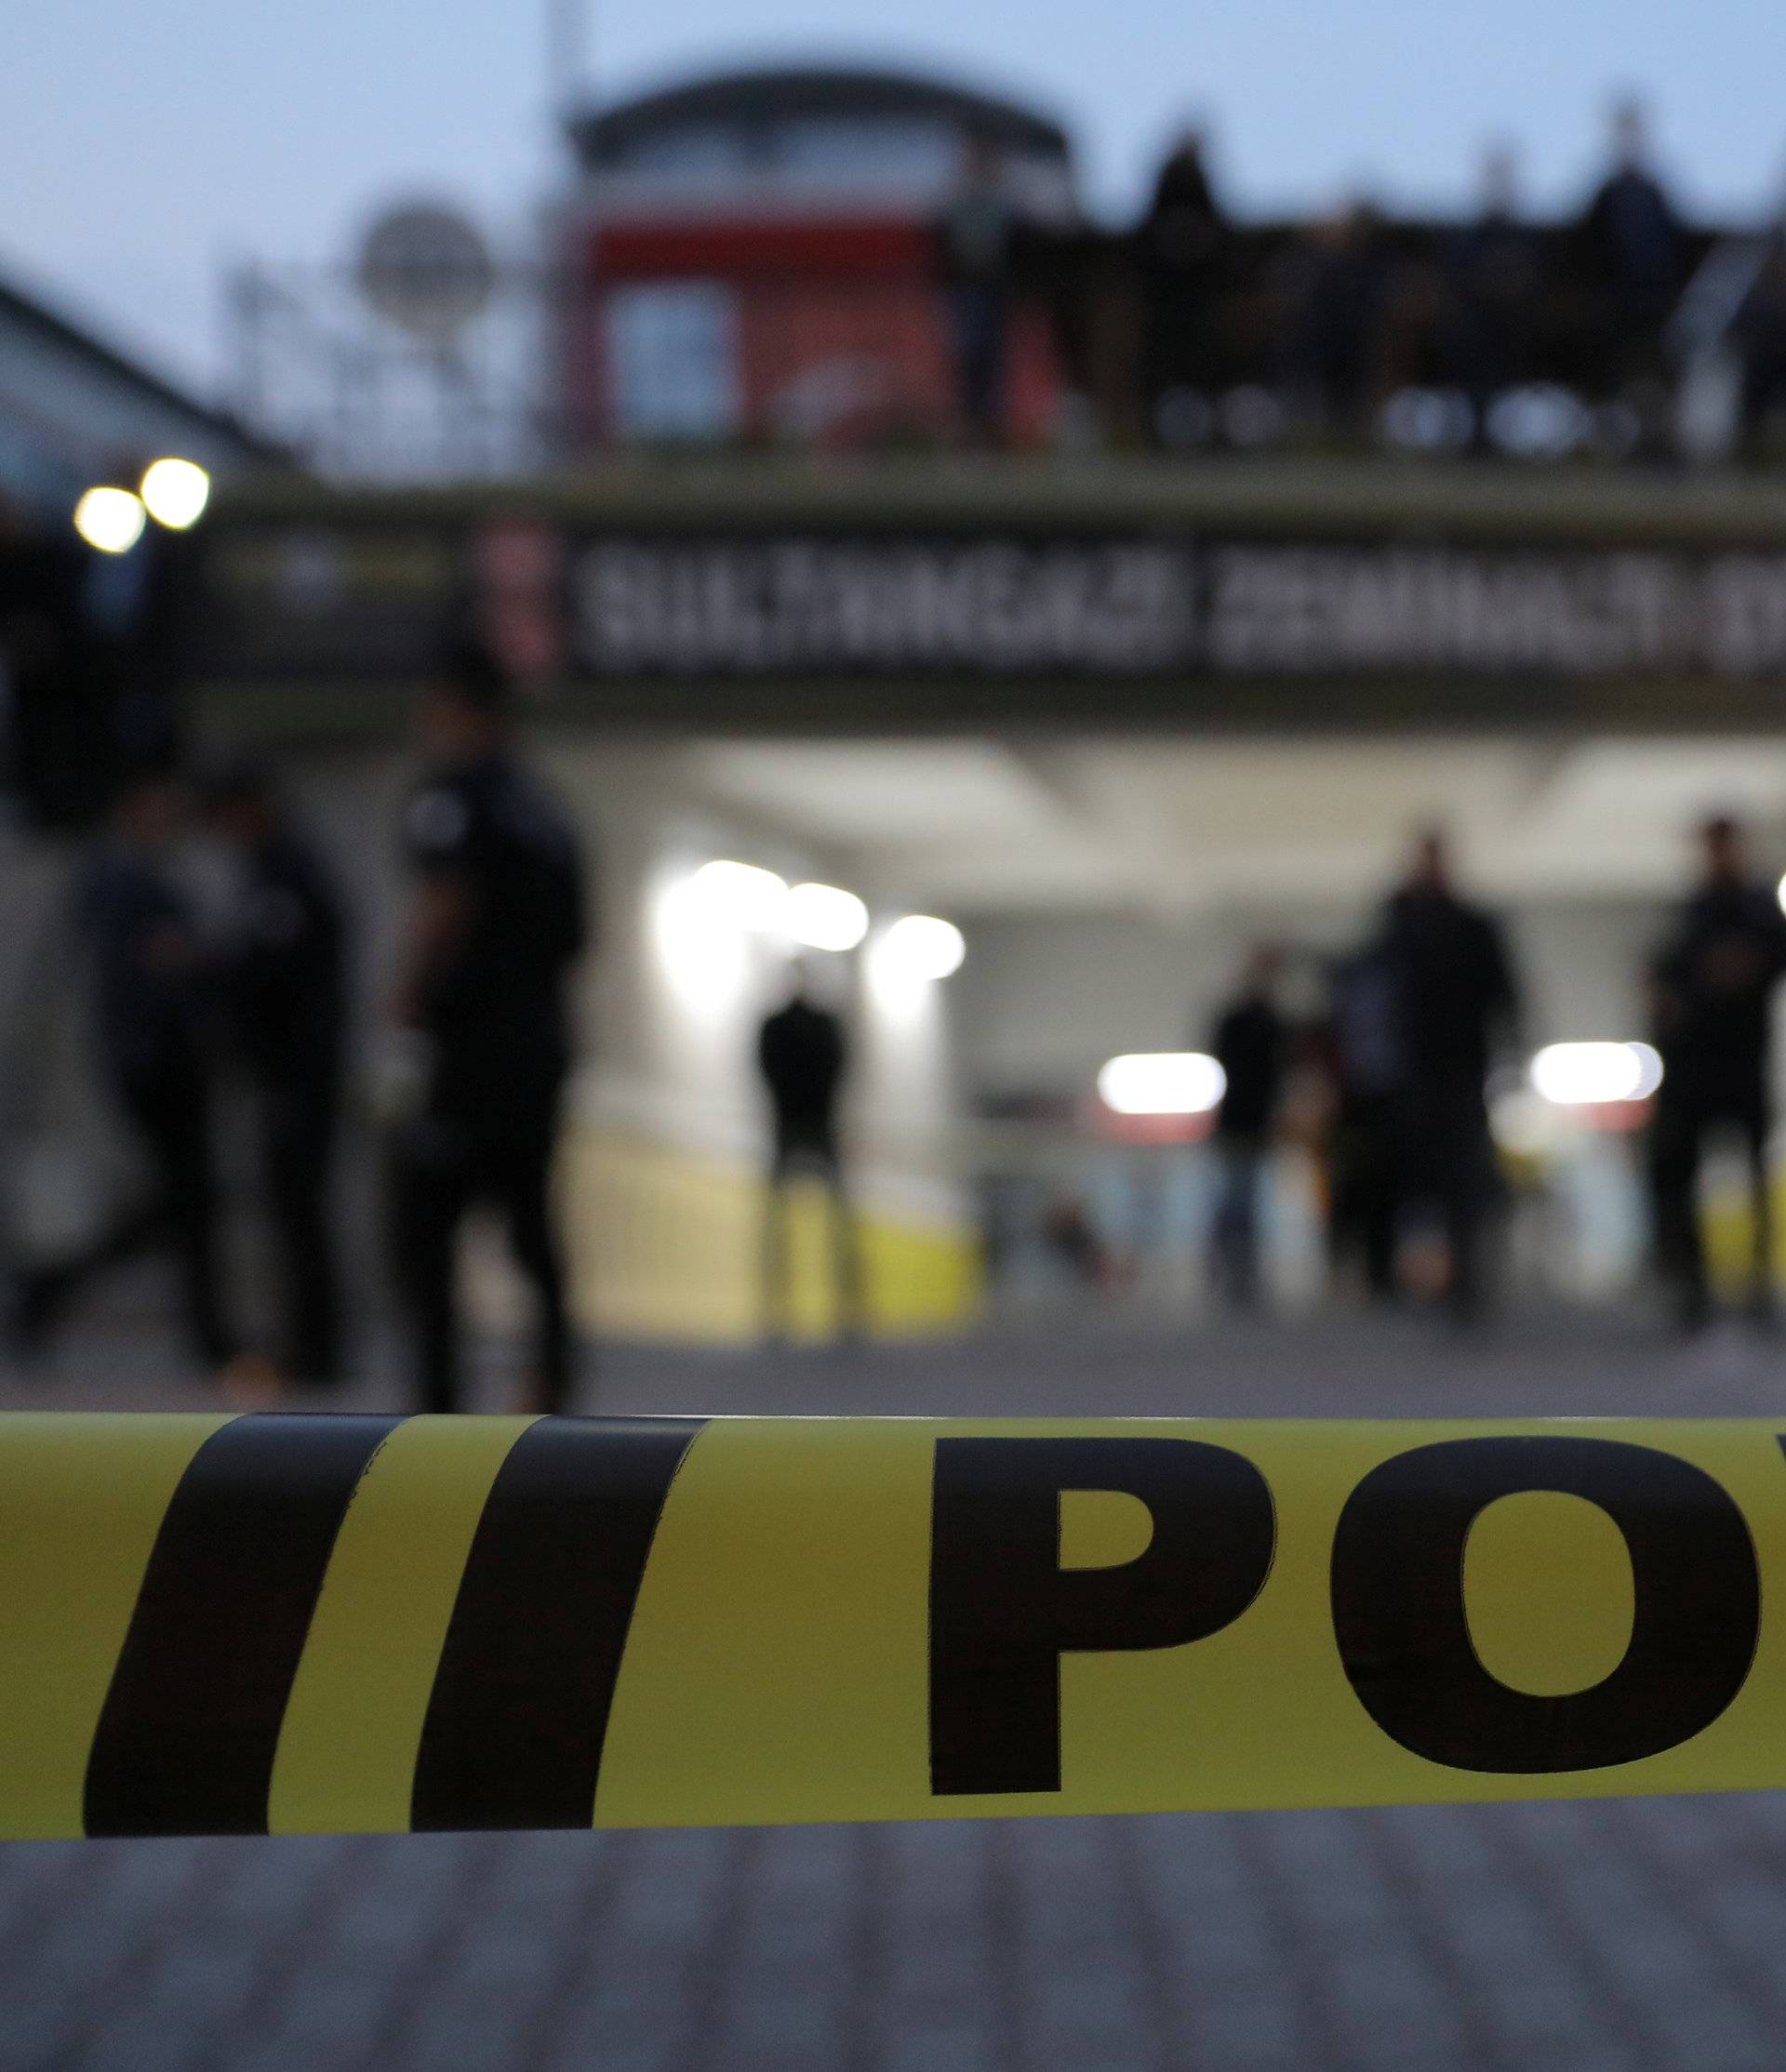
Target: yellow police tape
[295, 1625]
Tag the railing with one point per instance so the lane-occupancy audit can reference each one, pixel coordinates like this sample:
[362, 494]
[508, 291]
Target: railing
[1284, 339]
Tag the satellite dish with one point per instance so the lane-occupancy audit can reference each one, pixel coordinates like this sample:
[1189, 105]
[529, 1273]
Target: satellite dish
[427, 269]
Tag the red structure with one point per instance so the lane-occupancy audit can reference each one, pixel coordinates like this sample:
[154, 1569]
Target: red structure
[752, 258]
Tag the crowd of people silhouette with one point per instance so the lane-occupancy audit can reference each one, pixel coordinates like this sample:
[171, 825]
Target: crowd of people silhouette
[1413, 1024]
[1224, 331]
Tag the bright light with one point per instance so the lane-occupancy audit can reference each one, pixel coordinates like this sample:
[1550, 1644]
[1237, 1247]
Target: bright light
[1585, 1075]
[742, 894]
[918, 946]
[705, 957]
[1525, 1123]
[176, 492]
[826, 917]
[110, 520]
[1780, 895]
[1163, 1083]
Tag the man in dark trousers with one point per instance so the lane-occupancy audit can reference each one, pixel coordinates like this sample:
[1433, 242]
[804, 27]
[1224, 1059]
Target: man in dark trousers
[149, 1006]
[282, 968]
[1713, 992]
[1251, 1043]
[497, 924]
[1456, 1003]
[802, 1058]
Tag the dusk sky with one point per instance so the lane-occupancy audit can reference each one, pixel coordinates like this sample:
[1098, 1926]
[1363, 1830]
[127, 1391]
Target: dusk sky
[140, 146]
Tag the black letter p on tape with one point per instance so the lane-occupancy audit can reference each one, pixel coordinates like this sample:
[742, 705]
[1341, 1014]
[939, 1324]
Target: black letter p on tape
[300, 1624]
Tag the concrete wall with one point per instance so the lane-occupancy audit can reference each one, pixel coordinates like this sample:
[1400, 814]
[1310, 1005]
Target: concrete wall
[1043, 1000]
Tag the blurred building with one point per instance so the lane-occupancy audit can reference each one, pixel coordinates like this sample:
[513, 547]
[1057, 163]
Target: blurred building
[75, 411]
[752, 255]
[80, 627]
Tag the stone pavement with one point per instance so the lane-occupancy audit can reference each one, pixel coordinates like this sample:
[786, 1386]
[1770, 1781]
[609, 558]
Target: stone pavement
[1638, 1936]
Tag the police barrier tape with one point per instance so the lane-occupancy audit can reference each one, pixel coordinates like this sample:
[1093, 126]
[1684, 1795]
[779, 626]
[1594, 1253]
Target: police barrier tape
[303, 1624]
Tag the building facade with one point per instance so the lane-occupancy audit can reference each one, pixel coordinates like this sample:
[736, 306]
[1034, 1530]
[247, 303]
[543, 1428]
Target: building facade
[753, 256]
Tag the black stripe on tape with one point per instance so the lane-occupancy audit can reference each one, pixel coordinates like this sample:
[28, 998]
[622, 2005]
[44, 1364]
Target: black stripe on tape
[186, 1740]
[514, 1728]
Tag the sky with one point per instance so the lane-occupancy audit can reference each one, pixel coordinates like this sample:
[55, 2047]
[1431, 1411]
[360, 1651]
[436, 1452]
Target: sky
[142, 147]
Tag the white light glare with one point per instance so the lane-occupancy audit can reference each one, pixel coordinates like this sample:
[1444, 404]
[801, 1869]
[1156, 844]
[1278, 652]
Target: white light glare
[919, 946]
[742, 894]
[1780, 894]
[110, 520]
[176, 492]
[1162, 1082]
[1525, 1123]
[826, 917]
[1585, 1075]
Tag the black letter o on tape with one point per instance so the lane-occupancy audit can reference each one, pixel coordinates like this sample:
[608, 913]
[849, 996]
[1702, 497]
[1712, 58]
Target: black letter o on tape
[1399, 1617]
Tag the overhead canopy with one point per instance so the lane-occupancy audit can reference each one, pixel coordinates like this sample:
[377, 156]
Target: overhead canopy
[1102, 824]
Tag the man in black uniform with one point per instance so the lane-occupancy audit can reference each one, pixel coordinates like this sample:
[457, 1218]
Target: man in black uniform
[1713, 986]
[1455, 1002]
[283, 967]
[802, 1058]
[497, 924]
[150, 1021]
[1251, 1043]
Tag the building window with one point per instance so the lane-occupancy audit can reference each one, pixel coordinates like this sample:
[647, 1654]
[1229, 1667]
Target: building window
[672, 359]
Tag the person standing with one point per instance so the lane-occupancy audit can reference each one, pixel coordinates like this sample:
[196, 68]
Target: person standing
[1758, 333]
[1251, 1043]
[283, 963]
[1457, 1003]
[150, 1017]
[1493, 269]
[1633, 244]
[1182, 245]
[497, 924]
[1337, 333]
[1711, 985]
[977, 240]
[1363, 1043]
[802, 1058]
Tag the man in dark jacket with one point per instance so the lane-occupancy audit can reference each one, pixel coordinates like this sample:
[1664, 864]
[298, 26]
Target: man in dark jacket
[801, 1057]
[150, 1021]
[1493, 269]
[497, 924]
[1713, 986]
[1633, 246]
[976, 240]
[1251, 1043]
[1364, 1048]
[1182, 247]
[1456, 1003]
[282, 968]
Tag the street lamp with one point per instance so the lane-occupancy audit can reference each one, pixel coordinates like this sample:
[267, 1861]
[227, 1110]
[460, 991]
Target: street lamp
[176, 492]
[110, 520]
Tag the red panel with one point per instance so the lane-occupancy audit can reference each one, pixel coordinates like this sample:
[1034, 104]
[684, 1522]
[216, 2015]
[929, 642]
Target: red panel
[716, 249]
[835, 362]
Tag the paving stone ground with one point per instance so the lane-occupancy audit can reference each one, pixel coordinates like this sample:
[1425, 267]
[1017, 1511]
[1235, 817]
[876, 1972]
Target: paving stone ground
[1614, 1936]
